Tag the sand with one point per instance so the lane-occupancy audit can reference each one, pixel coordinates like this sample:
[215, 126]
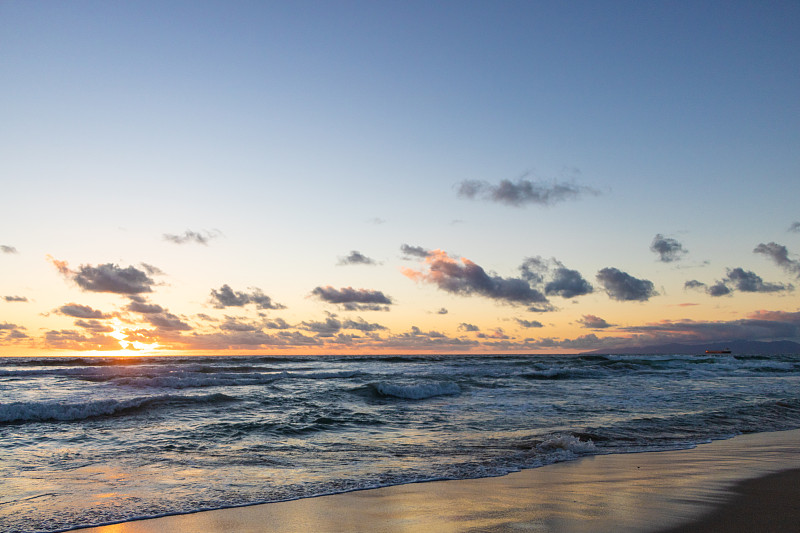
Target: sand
[749, 483]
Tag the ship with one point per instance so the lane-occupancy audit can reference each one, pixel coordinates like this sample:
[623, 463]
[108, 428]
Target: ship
[718, 351]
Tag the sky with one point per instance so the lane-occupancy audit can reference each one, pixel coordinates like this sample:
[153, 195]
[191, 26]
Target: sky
[209, 177]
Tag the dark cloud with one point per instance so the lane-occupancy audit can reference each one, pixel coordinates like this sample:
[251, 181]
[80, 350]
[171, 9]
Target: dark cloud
[278, 323]
[718, 289]
[567, 284]
[7, 326]
[668, 249]
[529, 323]
[779, 254]
[748, 281]
[523, 192]
[353, 299]
[761, 325]
[108, 278]
[414, 251]
[466, 278]
[16, 335]
[227, 297]
[468, 327]
[140, 305]
[624, 287]
[167, 322]
[738, 279]
[95, 326]
[442, 311]
[15, 298]
[8, 249]
[192, 236]
[234, 324]
[357, 258]
[426, 340]
[362, 325]
[558, 280]
[795, 227]
[593, 322]
[329, 328]
[80, 311]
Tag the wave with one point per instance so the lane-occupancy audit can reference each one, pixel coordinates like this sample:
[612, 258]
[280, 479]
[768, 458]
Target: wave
[418, 391]
[22, 412]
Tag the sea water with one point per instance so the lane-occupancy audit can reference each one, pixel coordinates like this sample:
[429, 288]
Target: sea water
[87, 441]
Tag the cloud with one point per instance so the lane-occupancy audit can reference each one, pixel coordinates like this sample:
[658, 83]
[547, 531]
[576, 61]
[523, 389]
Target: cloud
[354, 299]
[468, 327]
[780, 255]
[760, 325]
[80, 311]
[694, 284]
[567, 283]
[748, 281]
[140, 305]
[426, 340]
[278, 323]
[593, 322]
[109, 277]
[329, 328]
[192, 236]
[668, 249]
[442, 311]
[524, 192]
[61, 266]
[497, 334]
[167, 322]
[357, 258]
[529, 323]
[15, 298]
[414, 251]
[66, 339]
[227, 297]
[719, 289]
[738, 279]
[95, 326]
[624, 287]
[560, 280]
[467, 278]
[8, 249]
[362, 325]
[795, 227]
[234, 324]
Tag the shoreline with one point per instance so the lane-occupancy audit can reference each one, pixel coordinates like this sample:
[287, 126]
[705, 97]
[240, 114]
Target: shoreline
[646, 492]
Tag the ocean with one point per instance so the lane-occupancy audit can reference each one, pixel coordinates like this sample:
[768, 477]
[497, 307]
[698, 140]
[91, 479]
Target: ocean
[95, 440]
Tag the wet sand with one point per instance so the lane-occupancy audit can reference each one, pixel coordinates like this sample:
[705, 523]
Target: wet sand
[749, 483]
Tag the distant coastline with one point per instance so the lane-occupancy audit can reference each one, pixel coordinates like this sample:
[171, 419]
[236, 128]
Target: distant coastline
[735, 347]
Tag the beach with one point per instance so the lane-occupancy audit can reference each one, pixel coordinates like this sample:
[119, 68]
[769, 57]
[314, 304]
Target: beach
[747, 483]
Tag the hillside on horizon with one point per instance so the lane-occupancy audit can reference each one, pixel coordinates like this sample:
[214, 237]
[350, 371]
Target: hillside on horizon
[736, 348]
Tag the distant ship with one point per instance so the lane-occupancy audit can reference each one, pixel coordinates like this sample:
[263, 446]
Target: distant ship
[718, 351]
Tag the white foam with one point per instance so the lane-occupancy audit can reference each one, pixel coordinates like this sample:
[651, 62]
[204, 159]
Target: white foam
[418, 391]
[568, 444]
[64, 412]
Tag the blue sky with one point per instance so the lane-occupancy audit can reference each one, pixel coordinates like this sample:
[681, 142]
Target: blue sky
[288, 135]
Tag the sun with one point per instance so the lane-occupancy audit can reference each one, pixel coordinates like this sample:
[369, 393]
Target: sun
[128, 345]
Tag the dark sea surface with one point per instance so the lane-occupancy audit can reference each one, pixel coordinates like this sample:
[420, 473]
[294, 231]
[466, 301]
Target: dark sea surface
[87, 441]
